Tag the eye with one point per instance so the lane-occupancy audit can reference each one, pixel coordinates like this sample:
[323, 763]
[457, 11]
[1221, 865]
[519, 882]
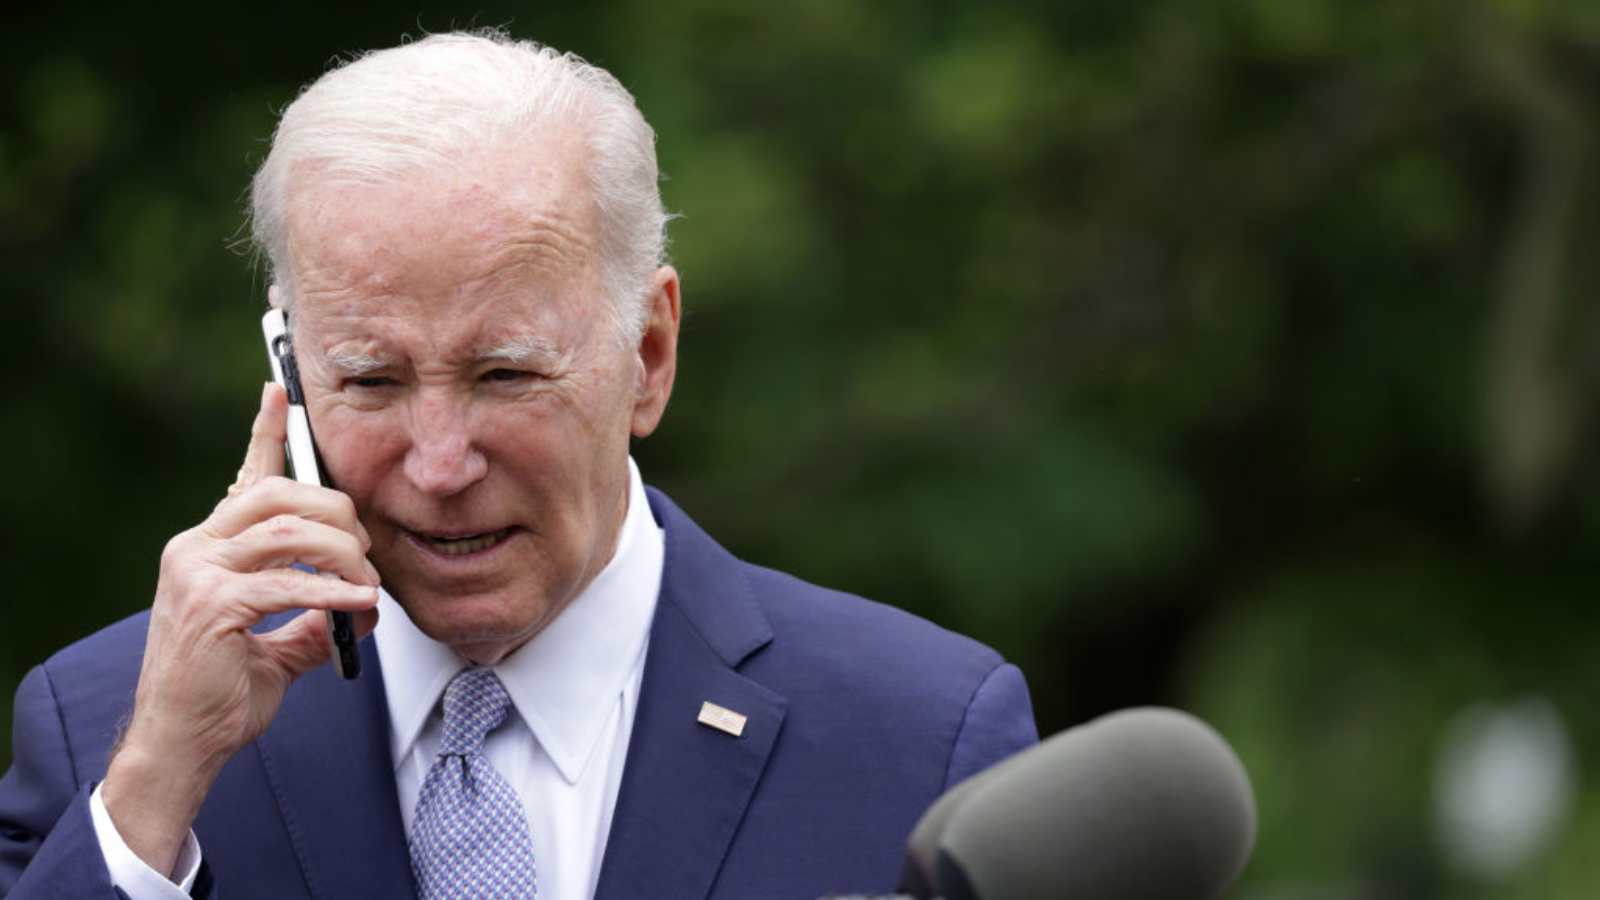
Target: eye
[505, 375]
[368, 381]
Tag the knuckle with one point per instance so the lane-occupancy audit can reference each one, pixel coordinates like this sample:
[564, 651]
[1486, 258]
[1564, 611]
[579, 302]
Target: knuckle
[174, 549]
[346, 506]
[274, 483]
[208, 584]
[282, 526]
[182, 592]
[282, 579]
[179, 552]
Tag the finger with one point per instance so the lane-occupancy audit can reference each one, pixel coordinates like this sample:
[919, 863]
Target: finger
[365, 620]
[281, 496]
[264, 456]
[284, 540]
[304, 643]
[300, 645]
[242, 601]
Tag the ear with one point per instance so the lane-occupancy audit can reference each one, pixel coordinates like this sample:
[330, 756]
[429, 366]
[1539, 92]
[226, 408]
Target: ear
[658, 351]
[274, 297]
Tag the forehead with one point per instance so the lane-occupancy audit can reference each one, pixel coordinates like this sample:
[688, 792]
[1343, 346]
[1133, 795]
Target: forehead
[443, 226]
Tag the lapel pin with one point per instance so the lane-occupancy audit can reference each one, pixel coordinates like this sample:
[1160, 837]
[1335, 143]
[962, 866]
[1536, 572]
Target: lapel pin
[722, 719]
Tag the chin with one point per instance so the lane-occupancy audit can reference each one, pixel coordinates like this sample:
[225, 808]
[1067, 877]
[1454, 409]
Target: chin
[483, 631]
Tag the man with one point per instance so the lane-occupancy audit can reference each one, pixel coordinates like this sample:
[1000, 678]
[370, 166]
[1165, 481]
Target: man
[467, 236]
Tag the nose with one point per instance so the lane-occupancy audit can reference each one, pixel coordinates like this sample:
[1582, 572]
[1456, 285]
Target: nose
[443, 459]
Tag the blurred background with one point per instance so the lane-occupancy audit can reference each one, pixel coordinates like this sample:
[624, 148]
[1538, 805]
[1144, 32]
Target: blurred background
[1236, 355]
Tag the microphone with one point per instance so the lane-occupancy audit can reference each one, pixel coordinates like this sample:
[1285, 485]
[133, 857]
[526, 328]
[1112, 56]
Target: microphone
[1142, 804]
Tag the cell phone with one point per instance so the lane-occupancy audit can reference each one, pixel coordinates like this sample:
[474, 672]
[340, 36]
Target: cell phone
[306, 465]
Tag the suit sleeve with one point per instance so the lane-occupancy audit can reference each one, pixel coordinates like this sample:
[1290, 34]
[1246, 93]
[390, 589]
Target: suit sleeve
[998, 723]
[48, 844]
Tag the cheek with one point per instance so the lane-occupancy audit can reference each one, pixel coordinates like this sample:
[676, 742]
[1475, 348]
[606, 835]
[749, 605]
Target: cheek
[526, 451]
[357, 449]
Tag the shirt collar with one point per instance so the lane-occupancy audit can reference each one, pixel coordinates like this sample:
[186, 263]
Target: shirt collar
[566, 681]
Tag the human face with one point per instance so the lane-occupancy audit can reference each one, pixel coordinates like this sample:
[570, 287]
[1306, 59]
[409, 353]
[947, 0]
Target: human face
[465, 388]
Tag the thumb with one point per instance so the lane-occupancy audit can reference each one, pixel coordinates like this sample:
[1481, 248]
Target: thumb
[303, 643]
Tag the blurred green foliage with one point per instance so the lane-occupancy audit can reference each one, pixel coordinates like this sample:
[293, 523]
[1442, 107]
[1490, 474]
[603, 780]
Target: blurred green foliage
[1231, 354]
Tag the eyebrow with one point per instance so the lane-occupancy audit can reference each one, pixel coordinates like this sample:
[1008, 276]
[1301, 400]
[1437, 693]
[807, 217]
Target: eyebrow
[515, 350]
[354, 364]
[524, 349]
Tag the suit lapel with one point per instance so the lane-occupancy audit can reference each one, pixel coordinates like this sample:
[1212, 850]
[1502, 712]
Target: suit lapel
[686, 785]
[327, 760]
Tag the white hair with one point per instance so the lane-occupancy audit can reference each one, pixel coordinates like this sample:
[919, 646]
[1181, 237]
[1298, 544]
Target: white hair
[387, 114]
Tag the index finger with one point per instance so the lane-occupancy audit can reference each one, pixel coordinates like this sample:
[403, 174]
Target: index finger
[264, 457]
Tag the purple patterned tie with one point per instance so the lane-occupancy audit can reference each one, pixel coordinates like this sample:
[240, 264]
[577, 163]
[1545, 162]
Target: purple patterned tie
[470, 839]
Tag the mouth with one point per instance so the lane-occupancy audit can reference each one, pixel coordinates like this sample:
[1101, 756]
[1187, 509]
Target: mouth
[464, 545]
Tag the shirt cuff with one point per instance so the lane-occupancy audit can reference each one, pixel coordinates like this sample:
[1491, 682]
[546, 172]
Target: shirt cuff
[130, 873]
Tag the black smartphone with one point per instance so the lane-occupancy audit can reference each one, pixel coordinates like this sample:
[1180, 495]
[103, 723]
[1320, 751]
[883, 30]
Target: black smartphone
[307, 468]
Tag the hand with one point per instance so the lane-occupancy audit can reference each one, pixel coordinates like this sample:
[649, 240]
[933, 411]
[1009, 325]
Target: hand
[209, 685]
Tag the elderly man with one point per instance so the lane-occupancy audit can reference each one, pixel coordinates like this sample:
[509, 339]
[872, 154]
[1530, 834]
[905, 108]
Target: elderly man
[570, 690]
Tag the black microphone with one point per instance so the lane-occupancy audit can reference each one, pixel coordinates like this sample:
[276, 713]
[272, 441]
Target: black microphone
[1143, 804]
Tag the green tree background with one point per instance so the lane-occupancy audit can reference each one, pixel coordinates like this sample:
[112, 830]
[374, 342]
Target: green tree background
[1237, 355]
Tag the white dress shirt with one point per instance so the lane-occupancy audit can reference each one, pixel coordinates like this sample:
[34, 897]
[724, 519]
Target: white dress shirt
[575, 687]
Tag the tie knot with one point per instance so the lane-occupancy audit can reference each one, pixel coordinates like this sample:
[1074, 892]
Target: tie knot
[475, 704]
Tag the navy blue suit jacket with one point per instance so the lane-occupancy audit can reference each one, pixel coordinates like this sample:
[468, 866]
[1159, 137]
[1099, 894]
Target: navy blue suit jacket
[859, 716]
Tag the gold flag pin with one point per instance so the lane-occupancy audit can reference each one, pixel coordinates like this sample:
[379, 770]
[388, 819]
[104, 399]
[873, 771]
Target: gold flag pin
[722, 719]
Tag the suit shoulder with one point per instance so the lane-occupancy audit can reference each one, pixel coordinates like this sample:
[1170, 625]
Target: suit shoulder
[831, 654]
[861, 673]
[733, 603]
[101, 668]
[83, 693]
[862, 643]
[799, 603]
[114, 648]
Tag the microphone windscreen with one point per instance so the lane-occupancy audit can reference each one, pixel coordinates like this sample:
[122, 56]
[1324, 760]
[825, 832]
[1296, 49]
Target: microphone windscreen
[919, 865]
[1144, 804]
